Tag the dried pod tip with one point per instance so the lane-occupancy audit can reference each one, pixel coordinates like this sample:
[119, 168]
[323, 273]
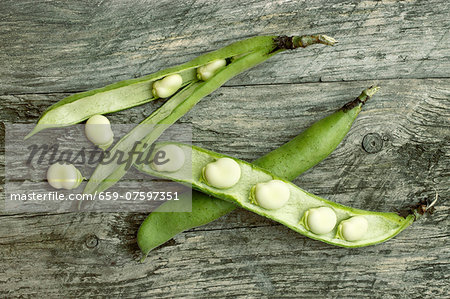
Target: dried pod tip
[371, 91]
[327, 40]
[424, 206]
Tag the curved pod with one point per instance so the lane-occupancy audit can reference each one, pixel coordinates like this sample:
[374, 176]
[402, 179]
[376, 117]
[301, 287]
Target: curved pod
[381, 226]
[287, 161]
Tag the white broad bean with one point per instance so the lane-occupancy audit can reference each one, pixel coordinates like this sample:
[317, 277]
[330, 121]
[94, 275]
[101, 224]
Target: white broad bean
[172, 158]
[210, 69]
[223, 173]
[98, 131]
[271, 195]
[167, 86]
[320, 220]
[353, 229]
[65, 176]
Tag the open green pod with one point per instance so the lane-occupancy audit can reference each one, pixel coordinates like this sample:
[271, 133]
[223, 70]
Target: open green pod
[133, 92]
[181, 102]
[107, 174]
[381, 226]
[290, 160]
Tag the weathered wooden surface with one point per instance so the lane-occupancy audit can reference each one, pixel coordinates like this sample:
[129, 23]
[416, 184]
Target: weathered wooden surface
[52, 48]
[57, 46]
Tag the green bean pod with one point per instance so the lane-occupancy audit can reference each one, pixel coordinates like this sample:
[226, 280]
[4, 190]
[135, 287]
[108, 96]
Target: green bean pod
[133, 92]
[380, 226]
[318, 141]
[288, 161]
[106, 175]
[112, 98]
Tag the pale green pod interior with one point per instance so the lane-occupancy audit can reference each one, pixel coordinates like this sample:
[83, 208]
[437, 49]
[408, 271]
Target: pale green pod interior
[133, 92]
[381, 226]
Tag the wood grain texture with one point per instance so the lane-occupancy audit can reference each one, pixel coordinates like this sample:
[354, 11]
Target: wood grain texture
[243, 254]
[52, 48]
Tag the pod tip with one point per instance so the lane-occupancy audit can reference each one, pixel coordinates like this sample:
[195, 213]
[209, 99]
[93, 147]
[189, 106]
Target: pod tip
[327, 40]
[303, 41]
[34, 131]
[371, 90]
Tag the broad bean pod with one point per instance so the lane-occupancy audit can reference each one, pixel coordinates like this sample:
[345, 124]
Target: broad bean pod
[133, 92]
[106, 175]
[380, 226]
[288, 161]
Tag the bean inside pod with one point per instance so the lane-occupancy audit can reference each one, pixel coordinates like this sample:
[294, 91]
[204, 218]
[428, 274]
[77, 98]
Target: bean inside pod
[320, 220]
[353, 229]
[288, 161]
[98, 131]
[208, 70]
[167, 86]
[381, 226]
[223, 173]
[271, 195]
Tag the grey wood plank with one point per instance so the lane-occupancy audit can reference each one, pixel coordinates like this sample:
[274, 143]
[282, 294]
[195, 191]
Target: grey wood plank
[95, 254]
[52, 46]
[78, 255]
[415, 143]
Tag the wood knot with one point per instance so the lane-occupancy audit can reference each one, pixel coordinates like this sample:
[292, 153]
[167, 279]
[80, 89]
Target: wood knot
[372, 143]
[91, 241]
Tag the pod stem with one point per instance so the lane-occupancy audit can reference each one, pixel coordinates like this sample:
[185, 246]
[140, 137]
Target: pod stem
[294, 42]
[368, 93]
[418, 210]
[365, 95]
